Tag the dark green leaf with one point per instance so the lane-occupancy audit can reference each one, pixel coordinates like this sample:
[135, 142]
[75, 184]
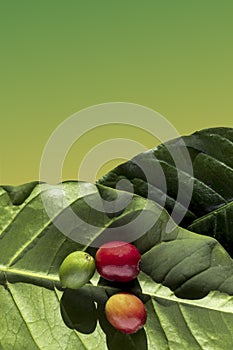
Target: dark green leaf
[162, 173]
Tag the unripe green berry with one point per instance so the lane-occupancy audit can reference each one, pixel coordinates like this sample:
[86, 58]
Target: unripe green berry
[76, 270]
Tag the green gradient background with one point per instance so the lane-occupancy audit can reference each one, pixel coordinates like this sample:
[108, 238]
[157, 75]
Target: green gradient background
[58, 57]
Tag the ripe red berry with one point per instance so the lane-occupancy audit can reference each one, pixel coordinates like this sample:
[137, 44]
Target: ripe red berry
[125, 312]
[118, 261]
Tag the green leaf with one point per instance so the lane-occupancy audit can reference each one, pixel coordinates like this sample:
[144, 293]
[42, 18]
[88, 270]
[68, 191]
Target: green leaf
[31, 319]
[37, 314]
[163, 174]
[180, 324]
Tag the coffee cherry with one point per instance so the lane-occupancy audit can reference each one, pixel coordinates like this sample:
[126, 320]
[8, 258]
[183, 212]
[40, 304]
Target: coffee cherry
[125, 312]
[118, 261]
[76, 270]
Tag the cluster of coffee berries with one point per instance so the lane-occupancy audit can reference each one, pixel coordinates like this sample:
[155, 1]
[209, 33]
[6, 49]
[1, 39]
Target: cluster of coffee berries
[116, 261]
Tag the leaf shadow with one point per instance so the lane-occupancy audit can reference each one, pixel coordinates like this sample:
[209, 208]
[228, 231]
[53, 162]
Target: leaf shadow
[78, 310]
[81, 309]
[115, 339]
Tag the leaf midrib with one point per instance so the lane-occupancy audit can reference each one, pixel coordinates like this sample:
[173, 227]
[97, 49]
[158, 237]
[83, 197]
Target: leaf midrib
[157, 295]
[211, 213]
[27, 273]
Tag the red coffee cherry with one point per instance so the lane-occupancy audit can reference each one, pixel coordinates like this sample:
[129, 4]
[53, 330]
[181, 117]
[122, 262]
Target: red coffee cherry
[118, 261]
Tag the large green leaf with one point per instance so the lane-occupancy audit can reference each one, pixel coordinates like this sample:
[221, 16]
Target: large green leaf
[210, 210]
[36, 314]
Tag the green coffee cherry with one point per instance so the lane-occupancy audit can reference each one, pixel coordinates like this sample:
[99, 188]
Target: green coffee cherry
[76, 270]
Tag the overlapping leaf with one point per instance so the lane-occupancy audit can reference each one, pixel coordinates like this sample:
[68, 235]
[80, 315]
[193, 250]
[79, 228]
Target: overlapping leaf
[158, 173]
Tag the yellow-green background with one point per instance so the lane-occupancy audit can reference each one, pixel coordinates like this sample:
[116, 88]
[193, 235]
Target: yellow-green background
[57, 57]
